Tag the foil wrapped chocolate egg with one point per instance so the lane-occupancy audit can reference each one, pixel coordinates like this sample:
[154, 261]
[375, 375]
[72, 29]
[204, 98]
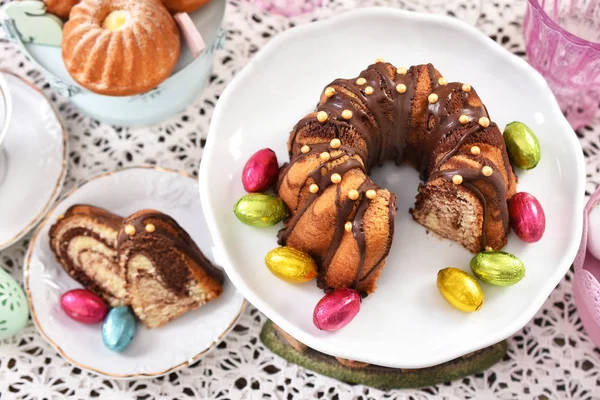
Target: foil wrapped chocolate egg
[291, 265]
[118, 329]
[527, 217]
[14, 309]
[260, 171]
[260, 210]
[522, 145]
[83, 306]
[337, 309]
[498, 268]
[460, 289]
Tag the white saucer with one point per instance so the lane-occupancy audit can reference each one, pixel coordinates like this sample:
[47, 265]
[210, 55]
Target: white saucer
[153, 352]
[406, 323]
[33, 160]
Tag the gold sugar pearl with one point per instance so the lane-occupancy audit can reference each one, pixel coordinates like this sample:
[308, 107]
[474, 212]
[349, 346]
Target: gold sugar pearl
[369, 90]
[401, 88]
[150, 228]
[353, 194]
[336, 178]
[329, 91]
[475, 150]
[466, 87]
[61, 216]
[457, 179]
[488, 248]
[335, 143]
[348, 226]
[463, 119]
[346, 114]
[313, 188]
[484, 121]
[380, 60]
[432, 98]
[487, 171]
[305, 149]
[371, 194]
[442, 81]
[324, 156]
[402, 71]
[130, 230]
[361, 81]
[322, 116]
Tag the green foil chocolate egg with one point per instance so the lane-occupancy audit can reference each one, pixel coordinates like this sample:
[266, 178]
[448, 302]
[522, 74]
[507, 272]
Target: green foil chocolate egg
[522, 145]
[260, 210]
[498, 268]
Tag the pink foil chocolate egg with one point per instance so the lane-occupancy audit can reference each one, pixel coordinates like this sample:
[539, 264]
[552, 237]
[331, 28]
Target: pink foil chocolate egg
[336, 309]
[260, 171]
[83, 306]
[527, 217]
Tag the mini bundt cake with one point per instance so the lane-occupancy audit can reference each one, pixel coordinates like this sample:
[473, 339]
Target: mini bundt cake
[177, 6]
[343, 219]
[167, 274]
[61, 8]
[84, 242]
[120, 47]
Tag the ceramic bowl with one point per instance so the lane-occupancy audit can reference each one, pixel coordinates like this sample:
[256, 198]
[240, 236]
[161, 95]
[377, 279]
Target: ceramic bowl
[172, 96]
[406, 323]
[153, 352]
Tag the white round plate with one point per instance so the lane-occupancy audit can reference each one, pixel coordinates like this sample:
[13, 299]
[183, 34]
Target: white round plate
[33, 160]
[153, 352]
[406, 323]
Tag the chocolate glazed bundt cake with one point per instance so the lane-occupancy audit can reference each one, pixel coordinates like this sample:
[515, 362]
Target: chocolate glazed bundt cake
[343, 219]
[84, 242]
[166, 273]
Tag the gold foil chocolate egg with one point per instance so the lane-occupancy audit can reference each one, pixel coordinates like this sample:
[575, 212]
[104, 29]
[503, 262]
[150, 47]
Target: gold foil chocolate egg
[260, 210]
[460, 289]
[522, 145]
[291, 265]
[498, 268]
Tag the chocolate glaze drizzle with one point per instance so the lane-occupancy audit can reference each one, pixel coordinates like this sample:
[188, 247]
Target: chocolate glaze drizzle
[181, 240]
[384, 131]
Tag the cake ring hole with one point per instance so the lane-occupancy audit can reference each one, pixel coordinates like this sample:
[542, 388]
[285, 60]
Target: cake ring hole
[116, 20]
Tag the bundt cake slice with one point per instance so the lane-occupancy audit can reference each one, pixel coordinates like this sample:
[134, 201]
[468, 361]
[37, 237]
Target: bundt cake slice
[84, 242]
[413, 115]
[167, 274]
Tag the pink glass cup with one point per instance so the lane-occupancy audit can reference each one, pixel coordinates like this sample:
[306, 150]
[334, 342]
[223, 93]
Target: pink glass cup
[562, 40]
[289, 8]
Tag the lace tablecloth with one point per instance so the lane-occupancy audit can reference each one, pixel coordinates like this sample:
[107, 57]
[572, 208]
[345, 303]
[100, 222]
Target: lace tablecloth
[550, 358]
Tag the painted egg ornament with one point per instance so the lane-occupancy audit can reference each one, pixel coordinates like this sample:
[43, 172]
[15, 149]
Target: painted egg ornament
[260, 210]
[593, 242]
[14, 309]
[260, 171]
[291, 265]
[460, 289]
[118, 329]
[498, 268]
[83, 306]
[336, 309]
[522, 145]
[527, 217]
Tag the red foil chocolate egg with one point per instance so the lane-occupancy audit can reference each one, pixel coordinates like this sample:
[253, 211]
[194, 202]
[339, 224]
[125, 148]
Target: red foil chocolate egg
[336, 309]
[527, 217]
[260, 171]
[83, 306]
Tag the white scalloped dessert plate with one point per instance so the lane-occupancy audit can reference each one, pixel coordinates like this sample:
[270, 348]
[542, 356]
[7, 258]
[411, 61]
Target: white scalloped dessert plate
[153, 352]
[406, 323]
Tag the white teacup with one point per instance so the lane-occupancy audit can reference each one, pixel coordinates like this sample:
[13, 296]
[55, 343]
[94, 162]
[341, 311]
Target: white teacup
[5, 117]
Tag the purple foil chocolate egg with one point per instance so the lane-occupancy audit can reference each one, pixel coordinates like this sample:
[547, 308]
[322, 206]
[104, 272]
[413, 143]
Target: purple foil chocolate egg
[336, 309]
[527, 217]
[83, 306]
[260, 171]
